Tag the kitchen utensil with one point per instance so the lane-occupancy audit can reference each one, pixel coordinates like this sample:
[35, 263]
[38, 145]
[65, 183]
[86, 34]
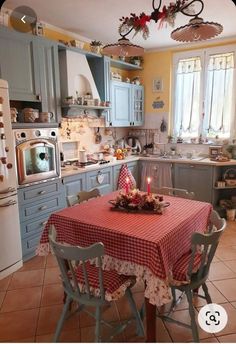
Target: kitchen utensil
[82, 156]
[98, 136]
[45, 117]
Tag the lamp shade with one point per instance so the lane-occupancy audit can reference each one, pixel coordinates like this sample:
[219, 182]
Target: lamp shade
[196, 30]
[123, 48]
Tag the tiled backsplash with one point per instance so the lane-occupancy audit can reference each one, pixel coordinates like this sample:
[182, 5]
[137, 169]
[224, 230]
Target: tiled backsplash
[77, 134]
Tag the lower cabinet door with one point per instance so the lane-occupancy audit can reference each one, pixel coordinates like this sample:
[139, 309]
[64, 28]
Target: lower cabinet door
[101, 179]
[29, 246]
[74, 184]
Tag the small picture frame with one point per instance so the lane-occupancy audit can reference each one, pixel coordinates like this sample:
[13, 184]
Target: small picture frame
[157, 85]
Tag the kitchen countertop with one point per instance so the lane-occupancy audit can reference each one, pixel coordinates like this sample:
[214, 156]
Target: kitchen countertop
[72, 170]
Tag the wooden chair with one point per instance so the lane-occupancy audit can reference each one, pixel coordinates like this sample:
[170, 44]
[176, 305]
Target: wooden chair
[192, 269]
[176, 192]
[82, 196]
[89, 285]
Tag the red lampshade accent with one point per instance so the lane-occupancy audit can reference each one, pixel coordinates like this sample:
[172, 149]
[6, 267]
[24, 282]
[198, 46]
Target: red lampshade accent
[123, 48]
[197, 30]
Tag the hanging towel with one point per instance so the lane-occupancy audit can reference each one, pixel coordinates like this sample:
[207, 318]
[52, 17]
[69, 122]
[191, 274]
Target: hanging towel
[124, 173]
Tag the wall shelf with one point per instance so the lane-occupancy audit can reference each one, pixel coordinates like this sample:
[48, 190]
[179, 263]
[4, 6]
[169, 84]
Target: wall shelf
[124, 65]
[34, 125]
[91, 107]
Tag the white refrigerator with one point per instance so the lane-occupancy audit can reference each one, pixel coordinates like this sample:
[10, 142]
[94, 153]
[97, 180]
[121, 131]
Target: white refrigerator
[10, 240]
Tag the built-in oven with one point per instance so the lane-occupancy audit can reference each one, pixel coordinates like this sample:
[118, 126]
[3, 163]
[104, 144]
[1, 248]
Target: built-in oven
[37, 155]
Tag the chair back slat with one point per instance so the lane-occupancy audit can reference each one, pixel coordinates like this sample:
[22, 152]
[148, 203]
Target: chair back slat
[70, 258]
[206, 244]
[176, 192]
[82, 196]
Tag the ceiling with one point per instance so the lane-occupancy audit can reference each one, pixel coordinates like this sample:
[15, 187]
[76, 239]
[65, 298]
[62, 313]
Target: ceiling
[99, 19]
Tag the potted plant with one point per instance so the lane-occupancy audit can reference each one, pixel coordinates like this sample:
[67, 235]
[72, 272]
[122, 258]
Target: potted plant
[95, 46]
[230, 209]
[137, 60]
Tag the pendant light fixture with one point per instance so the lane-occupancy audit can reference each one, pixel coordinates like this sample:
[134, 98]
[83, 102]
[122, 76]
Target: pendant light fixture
[195, 30]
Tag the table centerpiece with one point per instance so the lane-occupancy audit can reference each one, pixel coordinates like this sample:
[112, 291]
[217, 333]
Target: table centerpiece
[137, 201]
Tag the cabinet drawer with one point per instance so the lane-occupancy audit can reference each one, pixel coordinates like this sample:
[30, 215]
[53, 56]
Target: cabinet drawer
[29, 246]
[31, 211]
[30, 227]
[37, 192]
[101, 179]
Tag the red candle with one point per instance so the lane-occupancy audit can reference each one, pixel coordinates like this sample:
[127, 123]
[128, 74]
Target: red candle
[148, 185]
[127, 185]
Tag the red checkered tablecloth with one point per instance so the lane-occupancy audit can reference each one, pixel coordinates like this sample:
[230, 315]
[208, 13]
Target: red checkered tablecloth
[140, 244]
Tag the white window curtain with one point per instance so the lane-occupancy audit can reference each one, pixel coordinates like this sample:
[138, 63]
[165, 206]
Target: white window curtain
[219, 98]
[187, 97]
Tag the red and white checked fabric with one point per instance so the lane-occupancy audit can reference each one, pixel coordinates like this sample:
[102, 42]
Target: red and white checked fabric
[124, 173]
[144, 245]
[114, 284]
[180, 268]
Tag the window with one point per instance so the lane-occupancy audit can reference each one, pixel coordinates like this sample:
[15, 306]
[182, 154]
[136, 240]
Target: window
[204, 93]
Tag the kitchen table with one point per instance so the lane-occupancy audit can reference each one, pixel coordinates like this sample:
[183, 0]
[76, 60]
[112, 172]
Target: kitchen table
[139, 244]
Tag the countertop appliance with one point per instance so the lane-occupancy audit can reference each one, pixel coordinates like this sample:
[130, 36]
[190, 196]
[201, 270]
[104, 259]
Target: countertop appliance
[134, 143]
[10, 241]
[37, 155]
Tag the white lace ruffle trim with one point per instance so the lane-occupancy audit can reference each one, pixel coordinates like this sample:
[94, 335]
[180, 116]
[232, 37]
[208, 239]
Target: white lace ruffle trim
[157, 290]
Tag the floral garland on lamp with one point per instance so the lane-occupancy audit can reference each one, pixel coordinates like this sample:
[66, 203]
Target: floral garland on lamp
[135, 200]
[167, 15]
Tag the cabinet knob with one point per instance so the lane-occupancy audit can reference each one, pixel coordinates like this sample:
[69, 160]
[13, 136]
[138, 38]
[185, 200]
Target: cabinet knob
[130, 123]
[38, 97]
[43, 223]
[110, 124]
[43, 207]
[42, 192]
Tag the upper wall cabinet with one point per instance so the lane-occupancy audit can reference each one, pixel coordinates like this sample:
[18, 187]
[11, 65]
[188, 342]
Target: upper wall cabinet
[19, 65]
[30, 65]
[121, 98]
[49, 76]
[137, 105]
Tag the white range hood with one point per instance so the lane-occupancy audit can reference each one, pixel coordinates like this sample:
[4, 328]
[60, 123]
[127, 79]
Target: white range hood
[75, 75]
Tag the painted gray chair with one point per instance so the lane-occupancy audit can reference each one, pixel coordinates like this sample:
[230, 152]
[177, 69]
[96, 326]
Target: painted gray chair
[195, 266]
[89, 285]
[82, 196]
[176, 192]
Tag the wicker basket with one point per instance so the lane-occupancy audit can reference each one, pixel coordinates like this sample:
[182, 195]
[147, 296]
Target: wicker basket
[230, 177]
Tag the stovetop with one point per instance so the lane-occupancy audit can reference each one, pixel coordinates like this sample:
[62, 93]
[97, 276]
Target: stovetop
[87, 164]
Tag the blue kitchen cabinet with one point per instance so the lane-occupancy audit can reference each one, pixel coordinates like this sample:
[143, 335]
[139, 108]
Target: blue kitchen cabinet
[36, 203]
[49, 77]
[74, 184]
[19, 65]
[121, 100]
[195, 178]
[132, 166]
[137, 113]
[101, 179]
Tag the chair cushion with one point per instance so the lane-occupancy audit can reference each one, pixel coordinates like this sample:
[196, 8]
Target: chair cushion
[180, 268]
[114, 284]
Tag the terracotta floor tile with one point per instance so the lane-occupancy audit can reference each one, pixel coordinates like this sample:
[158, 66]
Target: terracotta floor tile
[24, 340]
[109, 314]
[52, 275]
[227, 288]
[228, 253]
[18, 325]
[220, 271]
[48, 318]
[51, 261]
[52, 294]
[4, 283]
[26, 279]
[19, 299]
[231, 264]
[230, 338]
[88, 334]
[124, 308]
[34, 263]
[72, 336]
[182, 334]
[233, 304]
[2, 295]
[231, 325]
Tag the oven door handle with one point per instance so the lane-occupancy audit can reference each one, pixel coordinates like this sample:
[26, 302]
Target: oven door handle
[38, 143]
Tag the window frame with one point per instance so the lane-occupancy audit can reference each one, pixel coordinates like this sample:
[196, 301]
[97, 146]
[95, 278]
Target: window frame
[204, 55]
